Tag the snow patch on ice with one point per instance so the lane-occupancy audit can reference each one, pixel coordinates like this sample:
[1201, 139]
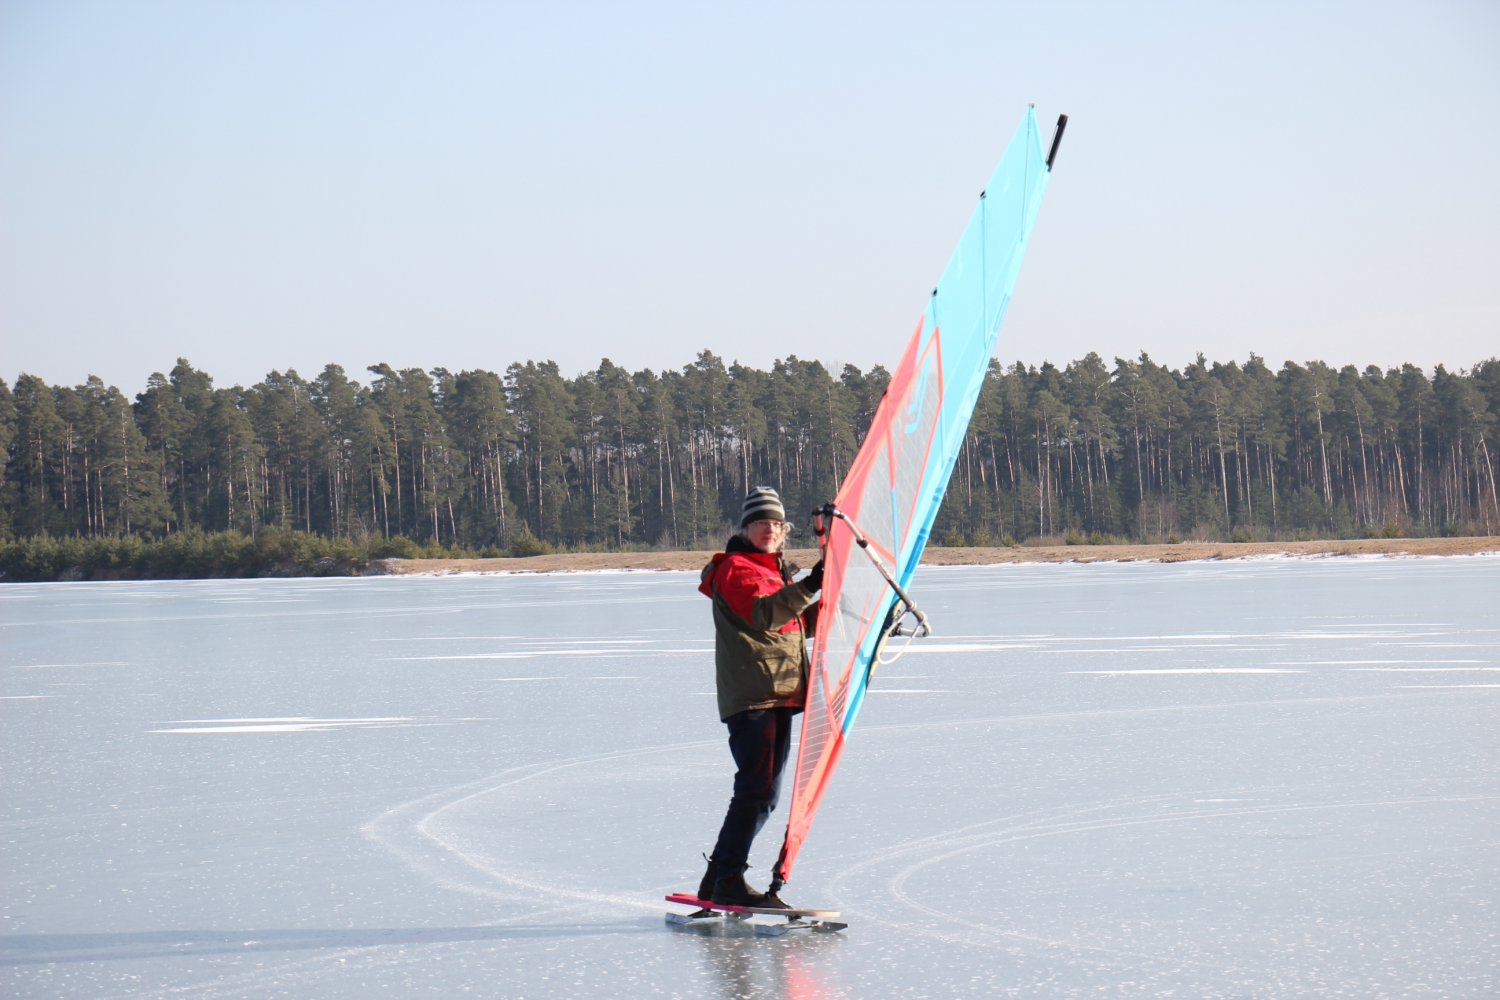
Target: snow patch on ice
[1164, 671]
[294, 724]
[535, 654]
[51, 666]
[1438, 687]
[1425, 670]
[963, 647]
[572, 679]
[1295, 557]
[1366, 664]
[1173, 647]
[446, 638]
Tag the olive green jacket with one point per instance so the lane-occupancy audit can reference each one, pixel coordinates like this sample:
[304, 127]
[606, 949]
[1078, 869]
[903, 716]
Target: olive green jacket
[760, 631]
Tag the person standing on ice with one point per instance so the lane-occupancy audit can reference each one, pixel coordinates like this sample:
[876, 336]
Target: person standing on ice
[761, 622]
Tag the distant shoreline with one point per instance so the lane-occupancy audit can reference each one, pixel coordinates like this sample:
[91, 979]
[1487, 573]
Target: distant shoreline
[934, 556]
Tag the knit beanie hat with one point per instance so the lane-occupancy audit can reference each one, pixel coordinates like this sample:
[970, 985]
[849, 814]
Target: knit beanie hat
[761, 504]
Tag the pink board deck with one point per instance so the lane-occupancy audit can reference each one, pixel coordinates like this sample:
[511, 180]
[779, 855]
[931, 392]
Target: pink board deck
[687, 899]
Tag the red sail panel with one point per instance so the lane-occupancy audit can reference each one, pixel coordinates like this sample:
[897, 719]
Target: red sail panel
[855, 597]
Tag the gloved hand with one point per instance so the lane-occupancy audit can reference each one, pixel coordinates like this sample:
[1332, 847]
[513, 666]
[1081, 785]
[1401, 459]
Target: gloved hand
[814, 577]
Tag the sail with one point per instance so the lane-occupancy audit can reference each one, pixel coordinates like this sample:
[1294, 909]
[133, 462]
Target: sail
[897, 480]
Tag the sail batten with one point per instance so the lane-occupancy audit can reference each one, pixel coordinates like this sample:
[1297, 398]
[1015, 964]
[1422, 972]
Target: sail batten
[896, 482]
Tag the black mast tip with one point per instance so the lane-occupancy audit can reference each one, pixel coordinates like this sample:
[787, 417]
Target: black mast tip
[1062, 123]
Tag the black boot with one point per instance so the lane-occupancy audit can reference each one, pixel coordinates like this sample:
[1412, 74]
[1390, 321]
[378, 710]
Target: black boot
[771, 900]
[706, 887]
[730, 890]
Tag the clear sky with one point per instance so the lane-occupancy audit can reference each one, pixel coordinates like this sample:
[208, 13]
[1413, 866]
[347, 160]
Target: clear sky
[271, 184]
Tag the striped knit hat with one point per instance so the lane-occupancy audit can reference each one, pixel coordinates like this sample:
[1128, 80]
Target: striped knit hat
[761, 504]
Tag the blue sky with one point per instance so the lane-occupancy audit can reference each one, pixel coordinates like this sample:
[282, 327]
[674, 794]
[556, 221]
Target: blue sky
[273, 185]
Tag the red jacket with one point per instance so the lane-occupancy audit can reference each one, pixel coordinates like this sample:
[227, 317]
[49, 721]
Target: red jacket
[760, 656]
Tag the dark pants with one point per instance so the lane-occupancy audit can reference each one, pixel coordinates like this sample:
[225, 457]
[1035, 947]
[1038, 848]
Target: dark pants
[760, 742]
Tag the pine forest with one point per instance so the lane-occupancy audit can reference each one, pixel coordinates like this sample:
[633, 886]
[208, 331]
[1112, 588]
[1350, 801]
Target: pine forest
[416, 462]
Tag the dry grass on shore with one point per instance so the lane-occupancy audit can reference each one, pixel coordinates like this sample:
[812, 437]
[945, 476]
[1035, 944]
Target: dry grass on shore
[934, 556]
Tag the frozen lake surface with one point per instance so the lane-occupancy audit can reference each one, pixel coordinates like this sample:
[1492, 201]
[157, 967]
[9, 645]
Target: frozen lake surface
[1244, 779]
